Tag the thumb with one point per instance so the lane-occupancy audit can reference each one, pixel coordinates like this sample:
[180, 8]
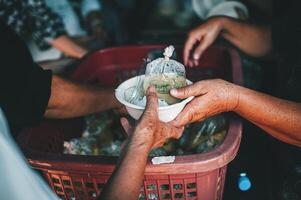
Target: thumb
[188, 91]
[152, 100]
[126, 126]
[204, 44]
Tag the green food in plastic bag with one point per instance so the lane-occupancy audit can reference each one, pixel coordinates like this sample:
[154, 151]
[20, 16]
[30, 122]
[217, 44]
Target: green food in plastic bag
[104, 135]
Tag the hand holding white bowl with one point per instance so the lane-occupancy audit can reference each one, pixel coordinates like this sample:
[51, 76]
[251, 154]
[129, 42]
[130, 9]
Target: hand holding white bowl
[166, 113]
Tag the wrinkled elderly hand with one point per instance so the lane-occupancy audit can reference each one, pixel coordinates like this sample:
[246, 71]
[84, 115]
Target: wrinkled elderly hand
[199, 39]
[211, 97]
[150, 130]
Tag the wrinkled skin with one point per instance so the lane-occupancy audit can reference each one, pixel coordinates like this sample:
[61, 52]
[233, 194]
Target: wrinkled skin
[151, 130]
[211, 97]
[126, 180]
[280, 118]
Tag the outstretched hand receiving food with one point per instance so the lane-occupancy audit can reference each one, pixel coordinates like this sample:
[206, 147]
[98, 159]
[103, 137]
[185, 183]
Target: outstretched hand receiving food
[211, 97]
[150, 130]
[126, 180]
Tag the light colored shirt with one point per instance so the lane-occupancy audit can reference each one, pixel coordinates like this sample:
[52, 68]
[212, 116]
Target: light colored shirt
[71, 20]
[32, 17]
[88, 6]
[17, 180]
[65, 10]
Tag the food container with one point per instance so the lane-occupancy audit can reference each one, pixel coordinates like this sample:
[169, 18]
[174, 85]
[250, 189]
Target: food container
[166, 113]
[198, 176]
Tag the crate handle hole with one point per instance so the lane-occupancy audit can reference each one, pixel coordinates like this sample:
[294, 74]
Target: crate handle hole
[153, 196]
[69, 191]
[151, 187]
[55, 180]
[191, 194]
[164, 187]
[100, 185]
[77, 184]
[66, 182]
[191, 185]
[58, 189]
[178, 186]
[179, 195]
[166, 196]
[89, 184]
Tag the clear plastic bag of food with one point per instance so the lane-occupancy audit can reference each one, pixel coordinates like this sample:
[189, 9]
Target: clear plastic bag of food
[111, 149]
[165, 74]
[103, 136]
[203, 136]
[81, 146]
[167, 149]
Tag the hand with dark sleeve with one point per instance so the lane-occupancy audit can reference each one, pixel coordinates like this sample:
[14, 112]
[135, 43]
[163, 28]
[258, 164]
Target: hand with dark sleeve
[28, 93]
[126, 180]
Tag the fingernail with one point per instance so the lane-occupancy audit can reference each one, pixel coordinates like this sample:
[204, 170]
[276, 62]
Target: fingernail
[196, 56]
[173, 92]
[151, 89]
[195, 62]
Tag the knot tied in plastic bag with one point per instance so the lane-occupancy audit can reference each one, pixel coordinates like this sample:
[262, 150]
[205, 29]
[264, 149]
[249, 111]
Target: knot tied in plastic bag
[165, 74]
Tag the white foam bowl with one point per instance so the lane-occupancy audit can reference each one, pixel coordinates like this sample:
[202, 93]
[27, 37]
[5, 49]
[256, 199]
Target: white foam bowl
[166, 113]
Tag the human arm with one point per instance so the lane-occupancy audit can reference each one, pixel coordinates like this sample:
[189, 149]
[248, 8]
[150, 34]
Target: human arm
[68, 46]
[71, 99]
[254, 40]
[279, 118]
[126, 180]
[50, 29]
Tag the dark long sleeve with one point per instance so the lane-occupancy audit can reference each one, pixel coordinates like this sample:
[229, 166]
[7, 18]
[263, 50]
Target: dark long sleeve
[24, 87]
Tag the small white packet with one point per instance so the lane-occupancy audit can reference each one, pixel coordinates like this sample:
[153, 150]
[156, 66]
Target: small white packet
[163, 160]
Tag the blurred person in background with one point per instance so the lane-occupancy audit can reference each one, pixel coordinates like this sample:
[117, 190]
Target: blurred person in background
[205, 9]
[277, 113]
[96, 23]
[40, 27]
[82, 19]
[28, 93]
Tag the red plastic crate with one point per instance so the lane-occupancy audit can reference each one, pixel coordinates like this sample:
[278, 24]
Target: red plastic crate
[199, 176]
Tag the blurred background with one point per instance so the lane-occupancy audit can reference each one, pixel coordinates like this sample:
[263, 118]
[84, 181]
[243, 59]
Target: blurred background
[167, 22]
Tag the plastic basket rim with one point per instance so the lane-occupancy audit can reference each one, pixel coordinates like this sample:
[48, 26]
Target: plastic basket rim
[183, 164]
[195, 163]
